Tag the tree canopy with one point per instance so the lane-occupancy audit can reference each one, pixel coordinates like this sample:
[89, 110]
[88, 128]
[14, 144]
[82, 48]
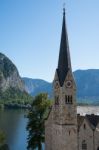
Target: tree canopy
[36, 121]
[3, 145]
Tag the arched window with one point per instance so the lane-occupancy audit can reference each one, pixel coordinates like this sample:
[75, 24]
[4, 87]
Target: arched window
[71, 99]
[84, 126]
[56, 100]
[68, 99]
[84, 145]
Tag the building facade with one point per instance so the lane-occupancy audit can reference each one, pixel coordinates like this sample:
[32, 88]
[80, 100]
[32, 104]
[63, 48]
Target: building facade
[64, 129]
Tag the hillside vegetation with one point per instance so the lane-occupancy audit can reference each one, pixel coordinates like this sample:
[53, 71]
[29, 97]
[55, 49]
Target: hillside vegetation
[12, 88]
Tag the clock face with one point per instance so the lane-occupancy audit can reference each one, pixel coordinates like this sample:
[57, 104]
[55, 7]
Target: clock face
[68, 84]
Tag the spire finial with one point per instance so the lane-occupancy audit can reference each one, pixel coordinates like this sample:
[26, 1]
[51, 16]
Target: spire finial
[64, 9]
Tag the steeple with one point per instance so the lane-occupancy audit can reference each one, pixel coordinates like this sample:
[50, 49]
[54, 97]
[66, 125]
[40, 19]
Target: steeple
[61, 126]
[64, 63]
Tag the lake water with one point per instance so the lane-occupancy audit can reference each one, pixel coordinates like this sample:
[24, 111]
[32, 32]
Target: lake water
[13, 123]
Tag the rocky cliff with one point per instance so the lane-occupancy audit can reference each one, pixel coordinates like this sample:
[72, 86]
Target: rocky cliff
[12, 88]
[9, 76]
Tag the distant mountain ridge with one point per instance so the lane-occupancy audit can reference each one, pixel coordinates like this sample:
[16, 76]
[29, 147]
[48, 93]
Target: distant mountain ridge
[87, 82]
[12, 86]
[35, 86]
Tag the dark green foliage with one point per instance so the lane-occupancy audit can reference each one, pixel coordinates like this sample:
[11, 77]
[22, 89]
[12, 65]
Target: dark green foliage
[13, 95]
[36, 120]
[4, 147]
[2, 138]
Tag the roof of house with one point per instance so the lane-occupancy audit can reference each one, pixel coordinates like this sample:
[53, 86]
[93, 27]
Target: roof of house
[92, 119]
[80, 120]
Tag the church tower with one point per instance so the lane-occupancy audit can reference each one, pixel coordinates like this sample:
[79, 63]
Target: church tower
[61, 126]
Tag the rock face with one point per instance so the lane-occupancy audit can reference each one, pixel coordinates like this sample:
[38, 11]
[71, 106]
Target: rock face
[9, 76]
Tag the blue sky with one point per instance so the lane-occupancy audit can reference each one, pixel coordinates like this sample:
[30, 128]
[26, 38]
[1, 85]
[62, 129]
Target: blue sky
[30, 34]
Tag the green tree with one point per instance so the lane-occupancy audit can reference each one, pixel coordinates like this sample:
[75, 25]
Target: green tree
[2, 138]
[36, 121]
[3, 145]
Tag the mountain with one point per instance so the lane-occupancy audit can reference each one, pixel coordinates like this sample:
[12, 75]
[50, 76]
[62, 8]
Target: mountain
[35, 86]
[13, 87]
[9, 76]
[11, 84]
[87, 82]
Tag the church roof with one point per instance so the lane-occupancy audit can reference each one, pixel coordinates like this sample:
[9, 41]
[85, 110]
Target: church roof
[80, 120]
[64, 63]
[92, 119]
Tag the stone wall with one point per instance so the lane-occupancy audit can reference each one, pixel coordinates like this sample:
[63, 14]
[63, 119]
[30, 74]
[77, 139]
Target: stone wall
[64, 137]
[85, 136]
[96, 139]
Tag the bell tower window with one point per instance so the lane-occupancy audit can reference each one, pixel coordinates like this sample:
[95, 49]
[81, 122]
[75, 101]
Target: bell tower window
[71, 99]
[56, 100]
[68, 99]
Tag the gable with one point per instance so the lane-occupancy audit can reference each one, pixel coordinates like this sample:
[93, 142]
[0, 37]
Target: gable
[85, 125]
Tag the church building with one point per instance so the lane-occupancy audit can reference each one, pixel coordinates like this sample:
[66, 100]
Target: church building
[64, 129]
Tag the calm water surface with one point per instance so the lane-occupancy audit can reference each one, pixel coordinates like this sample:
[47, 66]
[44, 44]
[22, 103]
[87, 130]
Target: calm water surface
[13, 123]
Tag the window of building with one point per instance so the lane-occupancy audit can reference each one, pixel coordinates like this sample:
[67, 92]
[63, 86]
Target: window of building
[69, 132]
[68, 99]
[56, 100]
[71, 99]
[84, 126]
[84, 145]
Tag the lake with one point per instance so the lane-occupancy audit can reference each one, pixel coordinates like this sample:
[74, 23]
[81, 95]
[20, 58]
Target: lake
[13, 123]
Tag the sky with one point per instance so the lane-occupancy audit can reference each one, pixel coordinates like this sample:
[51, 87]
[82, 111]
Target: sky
[30, 32]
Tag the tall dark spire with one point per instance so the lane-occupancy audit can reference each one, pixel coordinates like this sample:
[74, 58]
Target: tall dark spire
[64, 63]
